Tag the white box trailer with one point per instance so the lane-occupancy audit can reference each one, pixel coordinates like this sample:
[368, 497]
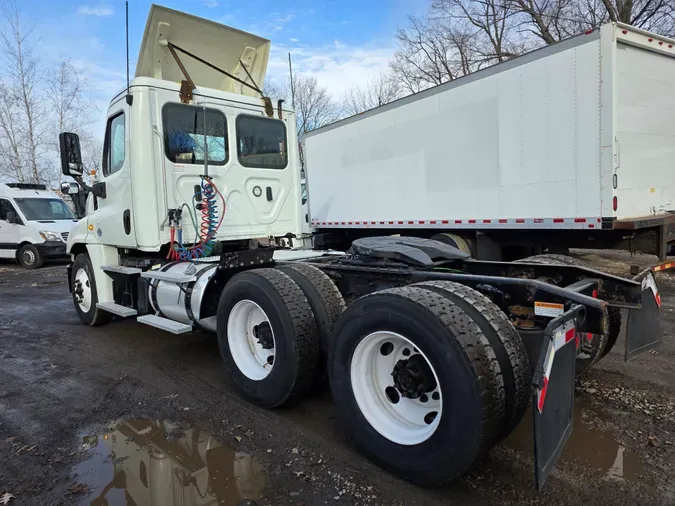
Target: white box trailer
[567, 140]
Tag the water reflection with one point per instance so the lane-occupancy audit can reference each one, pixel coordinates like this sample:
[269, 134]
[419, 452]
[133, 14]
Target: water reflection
[154, 463]
[589, 446]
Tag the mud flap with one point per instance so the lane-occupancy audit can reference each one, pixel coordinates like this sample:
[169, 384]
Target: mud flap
[644, 325]
[553, 393]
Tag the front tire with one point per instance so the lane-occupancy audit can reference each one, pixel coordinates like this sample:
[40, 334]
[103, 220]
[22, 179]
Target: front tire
[29, 257]
[416, 383]
[85, 295]
[267, 337]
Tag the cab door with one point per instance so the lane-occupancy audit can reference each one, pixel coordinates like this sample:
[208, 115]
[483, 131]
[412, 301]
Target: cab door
[9, 232]
[113, 219]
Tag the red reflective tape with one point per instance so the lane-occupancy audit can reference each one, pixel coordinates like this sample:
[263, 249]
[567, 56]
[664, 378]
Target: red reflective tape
[542, 395]
[400, 223]
[558, 220]
[599, 220]
[381, 223]
[539, 220]
[503, 221]
[487, 221]
[590, 225]
[569, 335]
[391, 223]
[472, 221]
[458, 221]
[520, 220]
[658, 299]
[445, 222]
[411, 223]
[432, 222]
[579, 220]
[421, 222]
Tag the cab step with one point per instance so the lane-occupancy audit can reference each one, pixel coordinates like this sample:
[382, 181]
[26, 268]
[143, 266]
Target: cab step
[179, 279]
[117, 309]
[164, 324]
[121, 269]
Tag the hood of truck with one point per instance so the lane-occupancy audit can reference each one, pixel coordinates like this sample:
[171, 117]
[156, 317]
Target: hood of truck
[222, 46]
[58, 226]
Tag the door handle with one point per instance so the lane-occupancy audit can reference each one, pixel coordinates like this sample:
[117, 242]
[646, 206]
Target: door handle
[126, 219]
[270, 197]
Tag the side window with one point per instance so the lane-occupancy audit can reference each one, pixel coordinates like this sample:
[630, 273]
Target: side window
[113, 151]
[184, 134]
[261, 142]
[5, 206]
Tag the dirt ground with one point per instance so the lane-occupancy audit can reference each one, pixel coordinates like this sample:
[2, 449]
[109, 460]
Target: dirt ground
[126, 414]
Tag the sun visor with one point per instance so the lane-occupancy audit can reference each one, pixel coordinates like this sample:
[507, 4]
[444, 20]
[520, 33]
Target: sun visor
[224, 47]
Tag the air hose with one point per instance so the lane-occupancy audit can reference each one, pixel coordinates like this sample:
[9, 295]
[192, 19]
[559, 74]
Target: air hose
[211, 220]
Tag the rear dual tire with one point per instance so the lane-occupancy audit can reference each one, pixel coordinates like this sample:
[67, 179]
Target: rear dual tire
[461, 367]
[267, 336]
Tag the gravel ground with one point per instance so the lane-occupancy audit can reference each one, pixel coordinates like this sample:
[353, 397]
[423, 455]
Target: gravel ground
[136, 416]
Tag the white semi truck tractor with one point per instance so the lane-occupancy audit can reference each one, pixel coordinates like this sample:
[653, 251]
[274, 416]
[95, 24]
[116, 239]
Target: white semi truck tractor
[432, 356]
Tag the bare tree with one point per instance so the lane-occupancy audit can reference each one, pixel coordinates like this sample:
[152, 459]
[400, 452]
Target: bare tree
[10, 138]
[376, 92]
[22, 79]
[489, 20]
[72, 111]
[553, 20]
[426, 56]
[314, 106]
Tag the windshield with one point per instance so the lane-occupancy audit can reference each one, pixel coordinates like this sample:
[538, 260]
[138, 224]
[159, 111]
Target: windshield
[45, 209]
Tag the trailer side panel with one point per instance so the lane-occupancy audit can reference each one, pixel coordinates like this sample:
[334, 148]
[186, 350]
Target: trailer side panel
[518, 141]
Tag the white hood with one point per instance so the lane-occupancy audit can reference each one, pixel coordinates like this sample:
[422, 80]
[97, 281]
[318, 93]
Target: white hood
[220, 45]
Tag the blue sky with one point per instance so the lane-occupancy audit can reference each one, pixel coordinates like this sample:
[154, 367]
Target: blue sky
[342, 42]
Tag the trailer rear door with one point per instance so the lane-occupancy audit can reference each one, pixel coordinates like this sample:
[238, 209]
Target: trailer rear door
[645, 130]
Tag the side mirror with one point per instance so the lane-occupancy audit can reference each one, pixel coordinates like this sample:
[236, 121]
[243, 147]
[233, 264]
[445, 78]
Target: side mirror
[10, 217]
[71, 157]
[70, 188]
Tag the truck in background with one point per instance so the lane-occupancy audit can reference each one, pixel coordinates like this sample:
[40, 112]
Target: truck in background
[34, 224]
[201, 184]
[570, 146]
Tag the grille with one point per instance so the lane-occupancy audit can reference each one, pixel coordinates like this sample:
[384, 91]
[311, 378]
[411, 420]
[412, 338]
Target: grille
[64, 235]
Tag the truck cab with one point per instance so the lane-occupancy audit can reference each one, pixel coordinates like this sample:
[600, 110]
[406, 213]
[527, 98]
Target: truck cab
[34, 224]
[190, 144]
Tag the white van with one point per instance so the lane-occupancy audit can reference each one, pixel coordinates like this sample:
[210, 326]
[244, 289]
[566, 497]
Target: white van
[34, 224]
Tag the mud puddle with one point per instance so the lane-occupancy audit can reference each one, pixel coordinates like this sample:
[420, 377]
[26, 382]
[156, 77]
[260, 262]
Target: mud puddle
[154, 463]
[591, 447]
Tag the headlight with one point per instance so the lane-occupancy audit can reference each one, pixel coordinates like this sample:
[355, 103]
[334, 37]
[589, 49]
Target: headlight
[50, 236]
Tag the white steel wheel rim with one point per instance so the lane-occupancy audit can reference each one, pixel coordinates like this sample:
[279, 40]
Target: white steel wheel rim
[84, 284]
[252, 359]
[405, 421]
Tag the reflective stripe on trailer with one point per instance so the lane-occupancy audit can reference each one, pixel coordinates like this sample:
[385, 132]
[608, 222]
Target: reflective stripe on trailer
[562, 223]
[563, 335]
[664, 267]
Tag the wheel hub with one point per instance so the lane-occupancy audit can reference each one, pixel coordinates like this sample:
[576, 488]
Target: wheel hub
[78, 291]
[413, 377]
[263, 334]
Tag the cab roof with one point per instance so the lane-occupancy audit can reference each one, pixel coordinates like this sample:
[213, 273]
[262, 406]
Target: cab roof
[229, 49]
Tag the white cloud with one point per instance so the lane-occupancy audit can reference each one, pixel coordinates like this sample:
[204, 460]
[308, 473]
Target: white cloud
[294, 39]
[211, 3]
[337, 67]
[99, 10]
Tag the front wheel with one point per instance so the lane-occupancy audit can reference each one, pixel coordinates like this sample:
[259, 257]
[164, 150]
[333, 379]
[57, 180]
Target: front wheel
[84, 293]
[29, 257]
